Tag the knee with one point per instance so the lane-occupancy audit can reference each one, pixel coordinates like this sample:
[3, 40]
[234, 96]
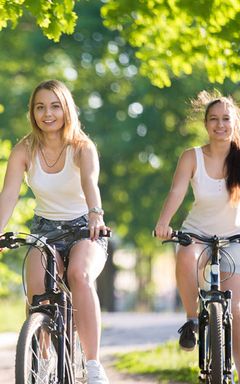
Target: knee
[80, 279]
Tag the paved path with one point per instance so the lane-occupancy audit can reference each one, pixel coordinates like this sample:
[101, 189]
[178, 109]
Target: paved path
[124, 332]
[121, 332]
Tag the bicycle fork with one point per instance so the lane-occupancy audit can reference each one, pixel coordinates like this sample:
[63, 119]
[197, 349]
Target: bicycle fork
[224, 298]
[58, 312]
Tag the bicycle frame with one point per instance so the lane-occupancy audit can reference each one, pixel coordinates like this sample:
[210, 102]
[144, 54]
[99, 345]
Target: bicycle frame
[51, 315]
[215, 317]
[215, 295]
[59, 308]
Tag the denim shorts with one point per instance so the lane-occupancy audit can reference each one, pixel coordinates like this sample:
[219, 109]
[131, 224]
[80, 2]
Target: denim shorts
[41, 226]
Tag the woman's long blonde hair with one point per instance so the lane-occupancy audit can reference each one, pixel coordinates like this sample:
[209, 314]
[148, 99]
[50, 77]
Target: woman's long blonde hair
[71, 132]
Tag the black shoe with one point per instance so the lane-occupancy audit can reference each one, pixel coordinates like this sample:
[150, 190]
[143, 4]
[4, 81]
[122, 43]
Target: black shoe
[187, 340]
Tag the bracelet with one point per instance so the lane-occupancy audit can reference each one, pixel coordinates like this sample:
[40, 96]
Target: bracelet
[97, 210]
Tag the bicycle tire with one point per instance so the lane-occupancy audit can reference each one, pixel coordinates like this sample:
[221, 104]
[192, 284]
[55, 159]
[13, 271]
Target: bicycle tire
[215, 343]
[78, 359]
[36, 339]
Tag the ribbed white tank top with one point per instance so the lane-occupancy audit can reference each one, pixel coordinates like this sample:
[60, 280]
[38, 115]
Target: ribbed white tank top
[59, 196]
[211, 213]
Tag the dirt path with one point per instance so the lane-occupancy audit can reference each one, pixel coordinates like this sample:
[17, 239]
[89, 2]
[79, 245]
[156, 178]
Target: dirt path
[127, 332]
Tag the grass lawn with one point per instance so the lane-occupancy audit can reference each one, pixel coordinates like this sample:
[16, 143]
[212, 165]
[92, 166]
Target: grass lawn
[12, 315]
[167, 363]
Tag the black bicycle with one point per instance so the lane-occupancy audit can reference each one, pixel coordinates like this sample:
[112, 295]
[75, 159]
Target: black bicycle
[48, 348]
[215, 317]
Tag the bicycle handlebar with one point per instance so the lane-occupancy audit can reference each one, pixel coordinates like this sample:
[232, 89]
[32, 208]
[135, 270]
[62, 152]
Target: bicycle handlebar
[187, 238]
[12, 240]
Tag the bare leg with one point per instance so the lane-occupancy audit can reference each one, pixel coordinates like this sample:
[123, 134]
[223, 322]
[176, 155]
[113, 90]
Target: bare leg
[35, 272]
[233, 284]
[186, 275]
[86, 261]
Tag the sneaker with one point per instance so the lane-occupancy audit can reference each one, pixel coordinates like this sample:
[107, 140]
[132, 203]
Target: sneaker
[96, 373]
[187, 340]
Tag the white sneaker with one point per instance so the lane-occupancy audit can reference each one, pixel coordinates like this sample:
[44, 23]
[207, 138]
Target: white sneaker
[96, 373]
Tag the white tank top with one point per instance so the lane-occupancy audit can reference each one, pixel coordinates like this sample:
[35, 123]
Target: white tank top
[59, 196]
[211, 213]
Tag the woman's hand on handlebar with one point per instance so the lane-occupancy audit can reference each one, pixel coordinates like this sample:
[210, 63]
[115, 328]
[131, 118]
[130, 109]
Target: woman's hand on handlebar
[163, 231]
[96, 224]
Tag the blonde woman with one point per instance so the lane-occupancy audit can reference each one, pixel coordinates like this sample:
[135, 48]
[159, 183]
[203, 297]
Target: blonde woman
[62, 168]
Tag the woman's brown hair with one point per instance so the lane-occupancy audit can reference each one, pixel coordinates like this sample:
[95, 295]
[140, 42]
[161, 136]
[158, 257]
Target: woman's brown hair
[232, 161]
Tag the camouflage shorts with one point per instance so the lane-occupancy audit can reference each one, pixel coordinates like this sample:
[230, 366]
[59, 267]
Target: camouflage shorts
[42, 226]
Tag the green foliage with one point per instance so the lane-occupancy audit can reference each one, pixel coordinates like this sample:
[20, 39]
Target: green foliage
[53, 17]
[173, 38]
[12, 314]
[140, 130]
[10, 280]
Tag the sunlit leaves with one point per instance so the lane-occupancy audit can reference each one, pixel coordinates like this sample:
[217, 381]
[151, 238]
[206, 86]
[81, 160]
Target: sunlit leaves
[10, 11]
[174, 37]
[53, 17]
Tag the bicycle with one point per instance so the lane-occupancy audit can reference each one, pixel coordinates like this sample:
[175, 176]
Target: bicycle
[214, 314]
[48, 347]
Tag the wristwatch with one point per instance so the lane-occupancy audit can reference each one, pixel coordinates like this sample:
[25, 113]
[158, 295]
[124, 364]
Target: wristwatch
[97, 210]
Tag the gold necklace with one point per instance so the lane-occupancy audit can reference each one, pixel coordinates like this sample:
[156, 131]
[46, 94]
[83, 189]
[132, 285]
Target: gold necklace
[55, 162]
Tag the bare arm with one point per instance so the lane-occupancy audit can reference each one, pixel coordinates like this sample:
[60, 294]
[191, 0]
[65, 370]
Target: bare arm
[89, 166]
[16, 167]
[181, 179]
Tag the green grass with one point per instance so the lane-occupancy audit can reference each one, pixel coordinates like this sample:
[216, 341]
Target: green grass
[167, 363]
[12, 314]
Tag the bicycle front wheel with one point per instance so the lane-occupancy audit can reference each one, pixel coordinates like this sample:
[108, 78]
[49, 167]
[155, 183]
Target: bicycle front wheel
[78, 359]
[215, 343]
[37, 358]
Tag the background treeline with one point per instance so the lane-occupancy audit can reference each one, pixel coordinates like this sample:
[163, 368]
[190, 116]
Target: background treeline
[139, 128]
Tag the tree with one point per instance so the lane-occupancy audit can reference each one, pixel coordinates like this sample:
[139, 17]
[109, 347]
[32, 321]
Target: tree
[53, 17]
[173, 37]
[139, 129]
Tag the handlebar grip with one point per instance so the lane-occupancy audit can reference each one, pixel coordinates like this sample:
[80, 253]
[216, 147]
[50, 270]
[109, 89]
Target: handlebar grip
[177, 237]
[174, 233]
[9, 240]
[4, 243]
[85, 233]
